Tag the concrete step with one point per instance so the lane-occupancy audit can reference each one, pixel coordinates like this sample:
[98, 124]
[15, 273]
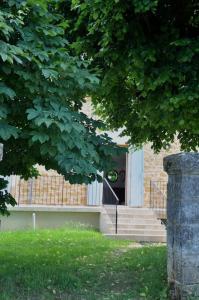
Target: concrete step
[132, 222]
[130, 217]
[130, 212]
[137, 231]
[137, 226]
[138, 237]
[127, 208]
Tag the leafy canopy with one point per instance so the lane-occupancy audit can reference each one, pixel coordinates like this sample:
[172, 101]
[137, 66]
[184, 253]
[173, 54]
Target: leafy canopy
[42, 89]
[148, 54]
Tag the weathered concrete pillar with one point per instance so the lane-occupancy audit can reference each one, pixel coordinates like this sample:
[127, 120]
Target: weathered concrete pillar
[1, 151]
[183, 225]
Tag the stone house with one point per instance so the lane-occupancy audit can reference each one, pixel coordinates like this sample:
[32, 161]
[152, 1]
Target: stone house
[137, 181]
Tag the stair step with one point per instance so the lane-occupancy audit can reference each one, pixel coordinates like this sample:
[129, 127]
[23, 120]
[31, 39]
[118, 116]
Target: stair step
[134, 222]
[130, 217]
[137, 226]
[137, 231]
[130, 212]
[126, 208]
[138, 237]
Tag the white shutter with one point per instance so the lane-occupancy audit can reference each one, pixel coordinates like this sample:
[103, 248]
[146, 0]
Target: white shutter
[95, 191]
[135, 178]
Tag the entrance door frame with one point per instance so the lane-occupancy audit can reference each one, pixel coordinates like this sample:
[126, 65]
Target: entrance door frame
[126, 173]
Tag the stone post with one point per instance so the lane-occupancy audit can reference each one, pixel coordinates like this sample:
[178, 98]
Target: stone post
[1, 151]
[183, 225]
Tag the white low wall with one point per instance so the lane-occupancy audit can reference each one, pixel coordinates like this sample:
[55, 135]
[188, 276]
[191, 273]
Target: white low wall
[49, 217]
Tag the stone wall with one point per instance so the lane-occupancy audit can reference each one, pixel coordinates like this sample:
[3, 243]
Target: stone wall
[48, 189]
[153, 171]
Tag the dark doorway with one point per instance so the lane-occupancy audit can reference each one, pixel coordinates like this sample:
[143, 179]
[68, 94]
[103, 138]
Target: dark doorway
[117, 179]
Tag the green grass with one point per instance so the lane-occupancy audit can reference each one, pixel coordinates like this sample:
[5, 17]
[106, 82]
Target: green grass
[78, 264]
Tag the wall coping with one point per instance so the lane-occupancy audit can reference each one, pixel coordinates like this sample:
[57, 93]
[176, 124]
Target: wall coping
[57, 208]
[182, 163]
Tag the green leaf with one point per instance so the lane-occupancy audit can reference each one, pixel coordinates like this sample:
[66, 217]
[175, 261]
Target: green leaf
[49, 73]
[7, 131]
[32, 113]
[39, 136]
[7, 91]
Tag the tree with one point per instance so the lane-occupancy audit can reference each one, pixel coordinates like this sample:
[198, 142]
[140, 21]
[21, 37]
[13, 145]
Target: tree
[147, 53]
[42, 89]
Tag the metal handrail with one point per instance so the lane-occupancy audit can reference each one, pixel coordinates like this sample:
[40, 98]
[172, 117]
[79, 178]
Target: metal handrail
[116, 204]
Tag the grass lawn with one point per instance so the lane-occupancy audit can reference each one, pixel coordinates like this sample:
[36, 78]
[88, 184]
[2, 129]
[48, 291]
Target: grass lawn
[78, 264]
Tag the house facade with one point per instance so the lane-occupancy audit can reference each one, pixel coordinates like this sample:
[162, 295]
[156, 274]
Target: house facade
[137, 181]
[135, 175]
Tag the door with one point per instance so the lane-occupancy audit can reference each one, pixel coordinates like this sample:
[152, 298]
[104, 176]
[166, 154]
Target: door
[116, 179]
